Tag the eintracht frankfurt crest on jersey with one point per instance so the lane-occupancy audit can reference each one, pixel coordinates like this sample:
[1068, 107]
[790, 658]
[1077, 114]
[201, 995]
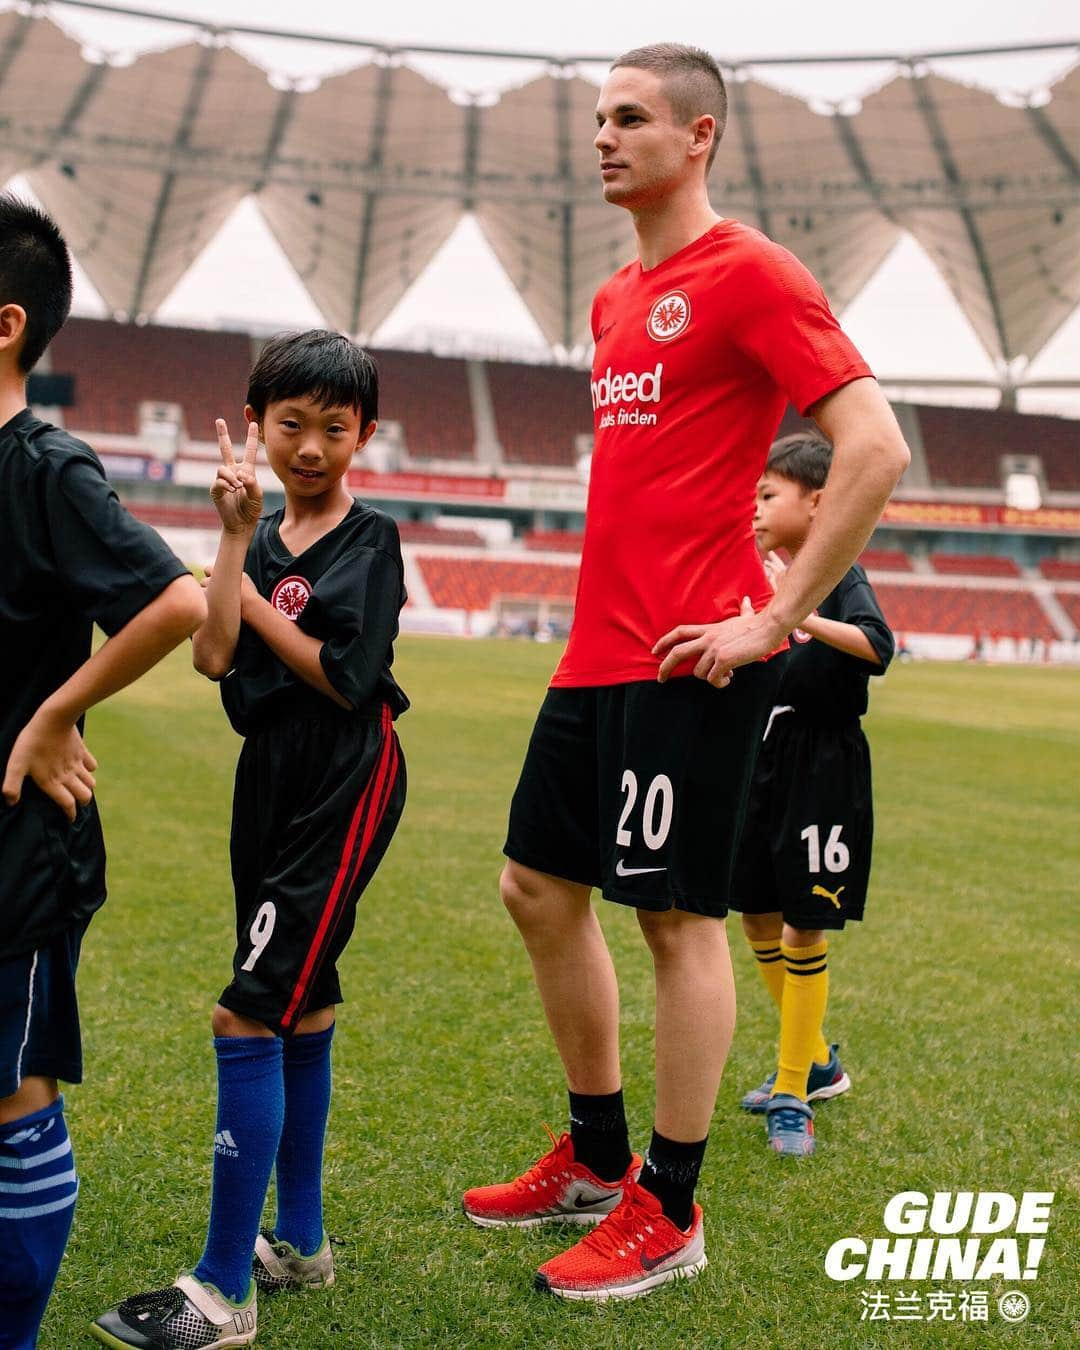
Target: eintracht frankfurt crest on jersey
[669, 316]
[291, 596]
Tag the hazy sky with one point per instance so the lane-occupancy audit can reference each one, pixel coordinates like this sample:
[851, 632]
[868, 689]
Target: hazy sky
[905, 320]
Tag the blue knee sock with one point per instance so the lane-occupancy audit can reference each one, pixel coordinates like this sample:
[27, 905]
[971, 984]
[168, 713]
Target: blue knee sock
[300, 1153]
[250, 1108]
[38, 1187]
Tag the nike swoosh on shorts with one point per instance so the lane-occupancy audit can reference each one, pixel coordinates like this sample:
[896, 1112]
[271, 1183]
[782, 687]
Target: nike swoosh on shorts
[621, 870]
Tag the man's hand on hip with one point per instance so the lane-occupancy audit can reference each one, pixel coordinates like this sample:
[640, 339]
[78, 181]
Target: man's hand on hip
[717, 648]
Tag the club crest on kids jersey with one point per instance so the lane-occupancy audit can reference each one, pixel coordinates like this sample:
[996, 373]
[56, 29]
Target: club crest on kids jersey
[669, 316]
[290, 597]
[800, 634]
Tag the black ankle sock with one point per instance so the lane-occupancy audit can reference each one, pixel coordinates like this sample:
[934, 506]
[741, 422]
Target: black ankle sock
[598, 1132]
[670, 1173]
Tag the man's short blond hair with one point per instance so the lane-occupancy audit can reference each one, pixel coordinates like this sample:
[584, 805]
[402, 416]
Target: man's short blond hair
[692, 82]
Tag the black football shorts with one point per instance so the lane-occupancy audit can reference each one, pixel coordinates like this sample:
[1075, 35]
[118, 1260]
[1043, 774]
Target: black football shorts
[809, 833]
[640, 789]
[316, 802]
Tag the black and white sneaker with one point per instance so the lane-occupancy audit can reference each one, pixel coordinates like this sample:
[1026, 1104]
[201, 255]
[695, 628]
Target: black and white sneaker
[189, 1315]
[278, 1266]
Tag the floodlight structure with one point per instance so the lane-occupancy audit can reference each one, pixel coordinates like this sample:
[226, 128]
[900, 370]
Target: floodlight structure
[362, 177]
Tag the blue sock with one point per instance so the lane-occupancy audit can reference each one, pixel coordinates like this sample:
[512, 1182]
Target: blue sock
[251, 1103]
[38, 1187]
[300, 1153]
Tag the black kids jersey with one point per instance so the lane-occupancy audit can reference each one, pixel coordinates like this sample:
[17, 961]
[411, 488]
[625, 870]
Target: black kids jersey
[346, 590]
[825, 685]
[70, 557]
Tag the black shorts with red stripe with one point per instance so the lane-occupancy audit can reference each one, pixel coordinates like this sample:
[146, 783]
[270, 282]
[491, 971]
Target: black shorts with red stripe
[316, 802]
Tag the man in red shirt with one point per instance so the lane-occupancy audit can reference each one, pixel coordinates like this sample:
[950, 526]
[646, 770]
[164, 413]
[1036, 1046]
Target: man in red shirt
[636, 776]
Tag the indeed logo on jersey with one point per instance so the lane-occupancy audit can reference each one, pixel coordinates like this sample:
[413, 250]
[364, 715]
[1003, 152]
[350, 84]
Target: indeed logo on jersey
[633, 387]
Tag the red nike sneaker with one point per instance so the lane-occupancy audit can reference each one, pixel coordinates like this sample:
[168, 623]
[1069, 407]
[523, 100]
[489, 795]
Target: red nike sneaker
[633, 1251]
[554, 1190]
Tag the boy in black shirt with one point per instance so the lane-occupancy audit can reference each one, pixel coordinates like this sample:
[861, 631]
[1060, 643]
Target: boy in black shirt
[303, 612]
[70, 557]
[804, 860]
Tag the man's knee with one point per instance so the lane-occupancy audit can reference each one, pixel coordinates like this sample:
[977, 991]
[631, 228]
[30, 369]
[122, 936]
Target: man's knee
[676, 935]
[535, 900]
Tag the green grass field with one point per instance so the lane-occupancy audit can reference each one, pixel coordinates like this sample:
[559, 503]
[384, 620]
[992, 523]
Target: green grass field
[955, 1004]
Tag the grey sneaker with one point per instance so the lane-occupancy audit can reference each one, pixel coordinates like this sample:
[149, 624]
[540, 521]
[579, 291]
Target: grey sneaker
[278, 1266]
[789, 1126]
[189, 1315]
[825, 1081]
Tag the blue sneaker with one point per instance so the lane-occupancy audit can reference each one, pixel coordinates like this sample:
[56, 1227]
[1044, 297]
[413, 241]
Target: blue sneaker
[825, 1081]
[789, 1123]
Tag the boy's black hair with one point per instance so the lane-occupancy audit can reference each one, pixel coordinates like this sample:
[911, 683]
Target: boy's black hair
[803, 458]
[35, 273]
[319, 365]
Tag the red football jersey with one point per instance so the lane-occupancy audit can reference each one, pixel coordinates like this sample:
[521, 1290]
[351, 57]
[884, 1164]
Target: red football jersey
[696, 360]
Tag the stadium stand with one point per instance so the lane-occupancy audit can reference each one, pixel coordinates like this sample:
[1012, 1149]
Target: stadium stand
[973, 565]
[1070, 603]
[1055, 570]
[539, 410]
[886, 560]
[117, 366]
[424, 532]
[175, 515]
[964, 446]
[474, 584]
[429, 396]
[949, 609]
[554, 541]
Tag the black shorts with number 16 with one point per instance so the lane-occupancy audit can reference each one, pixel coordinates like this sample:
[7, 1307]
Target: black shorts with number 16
[809, 833]
[640, 789]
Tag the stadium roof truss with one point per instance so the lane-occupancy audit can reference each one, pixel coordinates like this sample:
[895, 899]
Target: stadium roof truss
[364, 176]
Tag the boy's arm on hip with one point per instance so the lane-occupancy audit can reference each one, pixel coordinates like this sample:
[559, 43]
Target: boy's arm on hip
[49, 749]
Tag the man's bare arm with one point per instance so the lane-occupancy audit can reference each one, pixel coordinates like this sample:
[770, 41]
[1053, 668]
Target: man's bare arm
[869, 456]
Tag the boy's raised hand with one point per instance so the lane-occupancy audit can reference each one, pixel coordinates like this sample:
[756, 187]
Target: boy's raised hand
[775, 567]
[236, 492]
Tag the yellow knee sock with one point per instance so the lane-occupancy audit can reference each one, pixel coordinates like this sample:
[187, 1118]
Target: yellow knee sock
[771, 964]
[802, 1014]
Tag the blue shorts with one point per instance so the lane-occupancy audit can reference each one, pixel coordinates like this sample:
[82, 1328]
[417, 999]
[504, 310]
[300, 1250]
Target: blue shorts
[39, 1013]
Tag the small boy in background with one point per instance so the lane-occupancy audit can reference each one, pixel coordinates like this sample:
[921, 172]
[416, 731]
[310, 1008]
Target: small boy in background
[804, 860]
[303, 612]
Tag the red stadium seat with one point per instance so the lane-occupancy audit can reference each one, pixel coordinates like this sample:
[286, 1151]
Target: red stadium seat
[117, 366]
[964, 445]
[1070, 603]
[429, 396]
[973, 565]
[554, 541]
[955, 609]
[424, 532]
[1054, 570]
[886, 560]
[474, 584]
[539, 410]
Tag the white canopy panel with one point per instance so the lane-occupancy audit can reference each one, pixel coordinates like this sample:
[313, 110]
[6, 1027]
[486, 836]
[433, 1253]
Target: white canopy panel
[363, 177]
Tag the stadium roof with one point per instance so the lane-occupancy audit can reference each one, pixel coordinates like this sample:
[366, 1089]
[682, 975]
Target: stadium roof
[362, 177]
